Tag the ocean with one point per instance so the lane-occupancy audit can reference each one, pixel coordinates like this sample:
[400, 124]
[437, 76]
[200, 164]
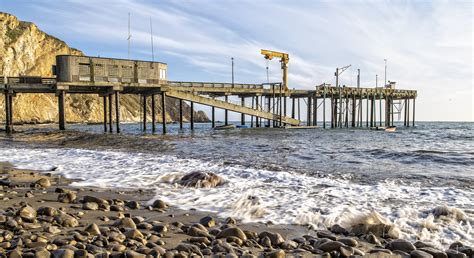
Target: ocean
[312, 177]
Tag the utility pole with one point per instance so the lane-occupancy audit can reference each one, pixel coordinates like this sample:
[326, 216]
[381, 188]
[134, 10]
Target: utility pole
[232, 59]
[129, 36]
[151, 36]
[385, 60]
[338, 72]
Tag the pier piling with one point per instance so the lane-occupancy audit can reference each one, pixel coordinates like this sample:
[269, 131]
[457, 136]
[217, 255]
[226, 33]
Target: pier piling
[163, 111]
[117, 111]
[62, 114]
[105, 112]
[144, 113]
[153, 114]
[191, 117]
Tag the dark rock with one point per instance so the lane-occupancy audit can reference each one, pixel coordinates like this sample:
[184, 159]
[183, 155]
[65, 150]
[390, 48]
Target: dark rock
[133, 205]
[402, 245]
[92, 229]
[434, 252]
[63, 253]
[67, 197]
[346, 251]
[230, 221]
[94, 199]
[66, 220]
[197, 232]
[275, 254]
[160, 229]
[125, 223]
[43, 253]
[275, 238]
[235, 240]
[349, 241]
[208, 221]
[91, 206]
[42, 182]
[371, 238]
[326, 234]
[232, 231]
[27, 213]
[188, 248]
[201, 240]
[420, 254]
[289, 245]
[159, 204]
[201, 179]
[420, 244]
[331, 246]
[47, 211]
[133, 254]
[455, 254]
[336, 229]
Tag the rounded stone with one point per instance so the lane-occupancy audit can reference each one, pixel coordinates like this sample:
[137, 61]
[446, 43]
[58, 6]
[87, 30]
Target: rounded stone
[232, 231]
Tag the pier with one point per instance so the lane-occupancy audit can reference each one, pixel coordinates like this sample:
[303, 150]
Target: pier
[265, 103]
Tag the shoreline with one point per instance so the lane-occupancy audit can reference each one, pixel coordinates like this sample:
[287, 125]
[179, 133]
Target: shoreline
[164, 229]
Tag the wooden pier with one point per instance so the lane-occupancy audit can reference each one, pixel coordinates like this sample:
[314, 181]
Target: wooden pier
[262, 102]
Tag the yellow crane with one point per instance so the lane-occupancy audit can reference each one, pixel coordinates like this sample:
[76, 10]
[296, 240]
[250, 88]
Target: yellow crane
[284, 59]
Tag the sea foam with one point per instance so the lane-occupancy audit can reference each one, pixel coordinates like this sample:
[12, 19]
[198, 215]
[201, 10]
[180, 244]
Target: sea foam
[433, 214]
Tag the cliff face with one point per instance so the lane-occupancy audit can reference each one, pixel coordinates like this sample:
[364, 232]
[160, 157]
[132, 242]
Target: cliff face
[26, 50]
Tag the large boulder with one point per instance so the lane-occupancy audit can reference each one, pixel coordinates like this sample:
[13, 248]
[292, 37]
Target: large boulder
[201, 179]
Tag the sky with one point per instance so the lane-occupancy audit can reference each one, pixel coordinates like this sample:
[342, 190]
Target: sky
[428, 44]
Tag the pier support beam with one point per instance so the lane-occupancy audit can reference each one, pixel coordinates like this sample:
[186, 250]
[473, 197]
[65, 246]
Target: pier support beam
[346, 119]
[257, 119]
[372, 111]
[8, 113]
[353, 119]
[408, 112]
[180, 114]
[117, 111]
[62, 114]
[268, 109]
[163, 111]
[242, 116]
[315, 110]
[153, 113]
[324, 108]
[110, 113]
[292, 107]
[226, 112]
[213, 115]
[191, 118]
[144, 113]
[105, 113]
[413, 121]
[308, 114]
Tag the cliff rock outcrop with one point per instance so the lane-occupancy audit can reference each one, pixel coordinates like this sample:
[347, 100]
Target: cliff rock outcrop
[26, 50]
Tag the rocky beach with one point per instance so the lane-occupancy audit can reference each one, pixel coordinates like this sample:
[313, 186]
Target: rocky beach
[41, 215]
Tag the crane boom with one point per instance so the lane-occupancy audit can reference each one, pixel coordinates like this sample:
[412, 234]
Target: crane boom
[284, 59]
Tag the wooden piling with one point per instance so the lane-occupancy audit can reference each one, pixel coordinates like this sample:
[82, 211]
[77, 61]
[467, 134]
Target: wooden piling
[242, 115]
[62, 114]
[353, 119]
[226, 112]
[105, 113]
[380, 107]
[144, 113]
[8, 117]
[367, 111]
[192, 116]
[315, 110]
[408, 112]
[308, 114]
[346, 120]
[324, 108]
[269, 110]
[181, 114]
[153, 113]
[163, 111]
[109, 109]
[213, 117]
[413, 121]
[293, 108]
[117, 111]
[257, 119]
[372, 111]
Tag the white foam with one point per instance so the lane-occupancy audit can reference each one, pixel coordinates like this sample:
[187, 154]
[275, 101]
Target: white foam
[260, 195]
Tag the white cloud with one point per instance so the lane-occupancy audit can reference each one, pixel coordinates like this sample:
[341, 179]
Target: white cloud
[428, 44]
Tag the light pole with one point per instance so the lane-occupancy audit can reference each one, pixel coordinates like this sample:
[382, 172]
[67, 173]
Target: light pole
[338, 72]
[232, 59]
[385, 60]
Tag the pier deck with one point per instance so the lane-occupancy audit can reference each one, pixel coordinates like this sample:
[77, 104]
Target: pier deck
[268, 101]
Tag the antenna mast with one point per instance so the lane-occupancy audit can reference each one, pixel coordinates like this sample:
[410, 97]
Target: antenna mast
[151, 35]
[129, 36]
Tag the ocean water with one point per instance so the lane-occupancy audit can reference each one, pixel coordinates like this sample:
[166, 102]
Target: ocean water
[318, 177]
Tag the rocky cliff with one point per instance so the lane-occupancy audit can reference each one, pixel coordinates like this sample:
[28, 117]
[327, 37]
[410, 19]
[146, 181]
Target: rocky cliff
[26, 50]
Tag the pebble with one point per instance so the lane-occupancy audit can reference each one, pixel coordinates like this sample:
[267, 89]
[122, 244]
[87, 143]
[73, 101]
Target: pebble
[402, 245]
[434, 252]
[67, 197]
[92, 206]
[159, 204]
[42, 182]
[275, 238]
[133, 205]
[92, 229]
[331, 246]
[232, 231]
[208, 221]
[420, 254]
[455, 254]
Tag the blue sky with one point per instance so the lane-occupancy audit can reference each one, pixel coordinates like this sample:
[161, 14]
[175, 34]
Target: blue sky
[428, 44]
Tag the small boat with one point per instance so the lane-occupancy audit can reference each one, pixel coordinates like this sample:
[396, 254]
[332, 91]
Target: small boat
[391, 129]
[378, 128]
[224, 127]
